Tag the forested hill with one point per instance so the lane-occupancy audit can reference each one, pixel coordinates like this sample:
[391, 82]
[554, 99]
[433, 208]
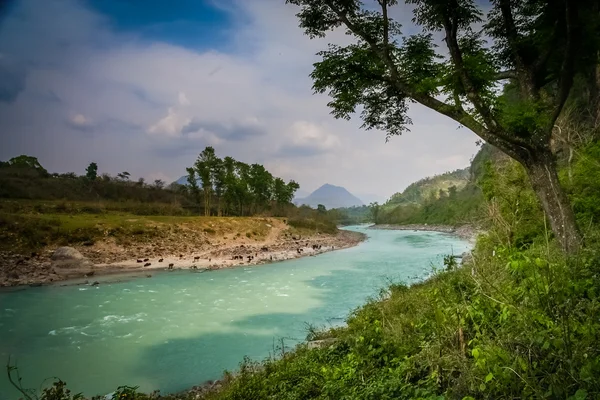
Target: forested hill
[432, 187]
[453, 198]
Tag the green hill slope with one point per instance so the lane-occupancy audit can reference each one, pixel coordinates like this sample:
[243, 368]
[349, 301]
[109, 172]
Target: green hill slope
[431, 187]
[452, 198]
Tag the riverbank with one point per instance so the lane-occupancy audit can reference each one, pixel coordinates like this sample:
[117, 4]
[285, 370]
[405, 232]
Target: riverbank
[466, 232]
[189, 250]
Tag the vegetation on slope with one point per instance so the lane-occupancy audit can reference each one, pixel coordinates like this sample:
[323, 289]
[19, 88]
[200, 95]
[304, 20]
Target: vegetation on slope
[431, 188]
[454, 198]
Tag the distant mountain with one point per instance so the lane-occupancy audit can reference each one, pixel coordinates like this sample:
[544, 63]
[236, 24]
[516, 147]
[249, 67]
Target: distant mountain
[183, 181]
[300, 194]
[331, 197]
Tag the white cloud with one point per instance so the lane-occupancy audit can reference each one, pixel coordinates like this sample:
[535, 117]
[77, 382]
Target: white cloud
[183, 100]
[171, 124]
[155, 106]
[305, 134]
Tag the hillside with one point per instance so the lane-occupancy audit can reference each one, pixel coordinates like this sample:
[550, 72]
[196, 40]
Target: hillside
[429, 187]
[331, 197]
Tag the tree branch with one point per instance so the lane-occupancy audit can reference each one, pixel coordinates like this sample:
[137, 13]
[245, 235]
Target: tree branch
[567, 70]
[510, 145]
[386, 27]
[456, 56]
[546, 53]
[511, 74]
[512, 35]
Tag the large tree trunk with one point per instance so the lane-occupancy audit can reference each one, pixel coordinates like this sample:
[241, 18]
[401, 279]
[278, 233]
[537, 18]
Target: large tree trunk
[556, 204]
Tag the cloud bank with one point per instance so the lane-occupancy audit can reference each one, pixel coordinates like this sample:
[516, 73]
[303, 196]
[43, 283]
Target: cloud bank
[74, 89]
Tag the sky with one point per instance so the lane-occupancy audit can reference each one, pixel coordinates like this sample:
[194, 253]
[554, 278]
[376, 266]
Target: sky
[144, 87]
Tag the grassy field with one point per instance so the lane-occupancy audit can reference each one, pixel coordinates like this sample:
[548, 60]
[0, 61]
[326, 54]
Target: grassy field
[25, 228]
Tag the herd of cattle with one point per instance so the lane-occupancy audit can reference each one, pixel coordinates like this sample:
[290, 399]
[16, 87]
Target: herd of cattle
[235, 257]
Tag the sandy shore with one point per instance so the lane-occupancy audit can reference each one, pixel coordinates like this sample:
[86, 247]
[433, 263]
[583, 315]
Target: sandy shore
[466, 232]
[36, 270]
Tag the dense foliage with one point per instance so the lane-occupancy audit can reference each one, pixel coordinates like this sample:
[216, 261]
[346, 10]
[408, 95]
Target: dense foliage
[237, 187]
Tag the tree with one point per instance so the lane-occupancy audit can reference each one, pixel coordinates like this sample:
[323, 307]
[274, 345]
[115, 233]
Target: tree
[91, 172]
[230, 183]
[192, 181]
[203, 167]
[242, 190]
[374, 209]
[260, 182]
[159, 183]
[24, 161]
[321, 209]
[537, 49]
[292, 188]
[217, 172]
[124, 176]
[452, 191]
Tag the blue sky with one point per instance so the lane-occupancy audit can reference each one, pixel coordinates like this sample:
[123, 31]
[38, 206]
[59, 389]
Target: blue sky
[144, 86]
[195, 24]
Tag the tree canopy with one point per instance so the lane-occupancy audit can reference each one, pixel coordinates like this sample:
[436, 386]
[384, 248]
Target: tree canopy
[237, 187]
[505, 76]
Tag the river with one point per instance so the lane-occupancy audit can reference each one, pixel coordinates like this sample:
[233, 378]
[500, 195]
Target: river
[179, 329]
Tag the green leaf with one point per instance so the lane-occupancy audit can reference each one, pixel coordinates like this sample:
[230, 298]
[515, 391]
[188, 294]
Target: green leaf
[475, 353]
[482, 387]
[581, 394]
[489, 377]
[546, 345]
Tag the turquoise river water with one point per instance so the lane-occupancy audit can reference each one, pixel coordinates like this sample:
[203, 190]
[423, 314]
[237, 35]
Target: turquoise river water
[179, 329]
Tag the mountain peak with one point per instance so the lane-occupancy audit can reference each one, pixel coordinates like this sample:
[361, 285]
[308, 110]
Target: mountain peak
[331, 196]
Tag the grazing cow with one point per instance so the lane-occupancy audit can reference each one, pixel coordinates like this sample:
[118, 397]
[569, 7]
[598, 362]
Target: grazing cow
[209, 260]
[181, 256]
[160, 259]
[140, 261]
[171, 266]
[196, 258]
[146, 259]
[271, 258]
[147, 264]
[194, 267]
